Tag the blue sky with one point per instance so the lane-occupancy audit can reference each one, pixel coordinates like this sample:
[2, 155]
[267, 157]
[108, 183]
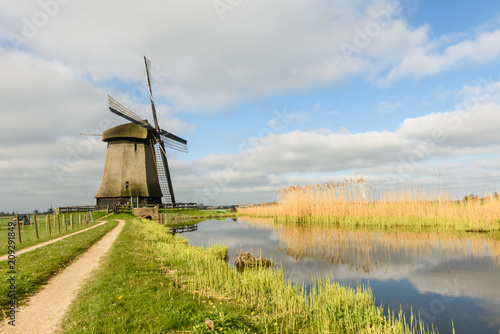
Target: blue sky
[267, 93]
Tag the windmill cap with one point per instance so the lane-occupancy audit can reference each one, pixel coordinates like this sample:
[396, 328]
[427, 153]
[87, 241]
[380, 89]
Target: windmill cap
[129, 130]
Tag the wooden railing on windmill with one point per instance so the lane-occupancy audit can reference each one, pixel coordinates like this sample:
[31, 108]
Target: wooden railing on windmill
[136, 171]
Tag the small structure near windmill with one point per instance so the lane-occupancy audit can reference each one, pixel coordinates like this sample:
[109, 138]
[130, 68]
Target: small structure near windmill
[136, 167]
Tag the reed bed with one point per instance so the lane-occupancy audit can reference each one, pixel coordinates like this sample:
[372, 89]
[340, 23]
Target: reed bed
[269, 303]
[357, 203]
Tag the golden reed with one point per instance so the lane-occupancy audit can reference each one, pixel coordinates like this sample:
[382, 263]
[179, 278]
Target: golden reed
[354, 202]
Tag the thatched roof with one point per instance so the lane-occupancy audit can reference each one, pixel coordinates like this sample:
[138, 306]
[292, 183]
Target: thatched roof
[129, 130]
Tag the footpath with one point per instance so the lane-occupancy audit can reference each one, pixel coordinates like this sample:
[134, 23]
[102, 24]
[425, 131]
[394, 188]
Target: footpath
[45, 310]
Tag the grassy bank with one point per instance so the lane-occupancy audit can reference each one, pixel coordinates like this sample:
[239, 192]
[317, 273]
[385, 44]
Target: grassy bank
[34, 268]
[153, 282]
[198, 214]
[49, 227]
[354, 203]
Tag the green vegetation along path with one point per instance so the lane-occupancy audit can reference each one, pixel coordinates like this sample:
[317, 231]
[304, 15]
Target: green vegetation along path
[45, 310]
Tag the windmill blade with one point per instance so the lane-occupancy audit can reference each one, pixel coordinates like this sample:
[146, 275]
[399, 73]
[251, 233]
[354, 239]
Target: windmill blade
[174, 144]
[117, 108]
[164, 171]
[172, 136]
[148, 70]
[160, 168]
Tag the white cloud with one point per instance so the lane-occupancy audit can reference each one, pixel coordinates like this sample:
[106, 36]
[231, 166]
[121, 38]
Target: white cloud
[214, 64]
[387, 107]
[426, 59]
[458, 128]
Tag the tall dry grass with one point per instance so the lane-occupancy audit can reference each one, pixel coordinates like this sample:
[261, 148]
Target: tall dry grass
[355, 202]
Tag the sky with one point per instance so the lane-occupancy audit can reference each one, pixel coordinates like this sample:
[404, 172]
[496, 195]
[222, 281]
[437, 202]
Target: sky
[267, 93]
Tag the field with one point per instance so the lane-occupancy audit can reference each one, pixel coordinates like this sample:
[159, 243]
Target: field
[186, 214]
[355, 203]
[48, 227]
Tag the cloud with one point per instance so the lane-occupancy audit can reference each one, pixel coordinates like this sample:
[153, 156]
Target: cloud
[458, 128]
[387, 107]
[426, 59]
[214, 64]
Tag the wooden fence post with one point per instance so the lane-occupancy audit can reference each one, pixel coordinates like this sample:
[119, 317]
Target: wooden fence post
[71, 221]
[58, 224]
[50, 229]
[65, 224]
[18, 229]
[36, 226]
[79, 220]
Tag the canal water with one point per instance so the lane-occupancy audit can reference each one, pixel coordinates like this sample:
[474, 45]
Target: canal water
[443, 277]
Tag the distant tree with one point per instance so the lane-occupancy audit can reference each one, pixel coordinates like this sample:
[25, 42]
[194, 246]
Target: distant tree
[470, 197]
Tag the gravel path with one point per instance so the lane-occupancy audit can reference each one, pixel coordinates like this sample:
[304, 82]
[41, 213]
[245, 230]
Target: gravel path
[5, 257]
[45, 311]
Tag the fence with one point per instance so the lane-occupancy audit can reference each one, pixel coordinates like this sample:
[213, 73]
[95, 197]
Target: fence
[84, 208]
[183, 229]
[43, 226]
[180, 206]
[128, 206]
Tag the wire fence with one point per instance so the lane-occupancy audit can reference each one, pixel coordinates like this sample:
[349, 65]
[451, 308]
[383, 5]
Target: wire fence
[38, 228]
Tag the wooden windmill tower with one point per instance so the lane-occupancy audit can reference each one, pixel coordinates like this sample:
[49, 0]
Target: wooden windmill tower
[136, 168]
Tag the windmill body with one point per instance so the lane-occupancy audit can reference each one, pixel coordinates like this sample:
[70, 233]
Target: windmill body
[130, 173]
[136, 168]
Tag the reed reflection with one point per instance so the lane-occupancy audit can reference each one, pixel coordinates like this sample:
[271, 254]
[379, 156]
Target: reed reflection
[368, 250]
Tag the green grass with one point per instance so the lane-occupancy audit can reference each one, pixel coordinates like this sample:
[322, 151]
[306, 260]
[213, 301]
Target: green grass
[153, 282]
[192, 213]
[28, 232]
[34, 268]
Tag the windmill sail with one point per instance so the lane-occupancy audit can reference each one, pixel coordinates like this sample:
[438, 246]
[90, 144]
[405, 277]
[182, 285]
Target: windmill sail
[162, 175]
[148, 76]
[175, 145]
[120, 110]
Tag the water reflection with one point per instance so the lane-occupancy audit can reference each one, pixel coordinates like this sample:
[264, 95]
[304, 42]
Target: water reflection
[368, 250]
[183, 229]
[443, 277]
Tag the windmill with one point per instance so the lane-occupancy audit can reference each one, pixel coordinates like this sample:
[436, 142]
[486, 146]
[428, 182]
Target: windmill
[136, 161]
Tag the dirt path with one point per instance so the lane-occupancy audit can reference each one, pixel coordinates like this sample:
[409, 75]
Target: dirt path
[44, 311]
[4, 257]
